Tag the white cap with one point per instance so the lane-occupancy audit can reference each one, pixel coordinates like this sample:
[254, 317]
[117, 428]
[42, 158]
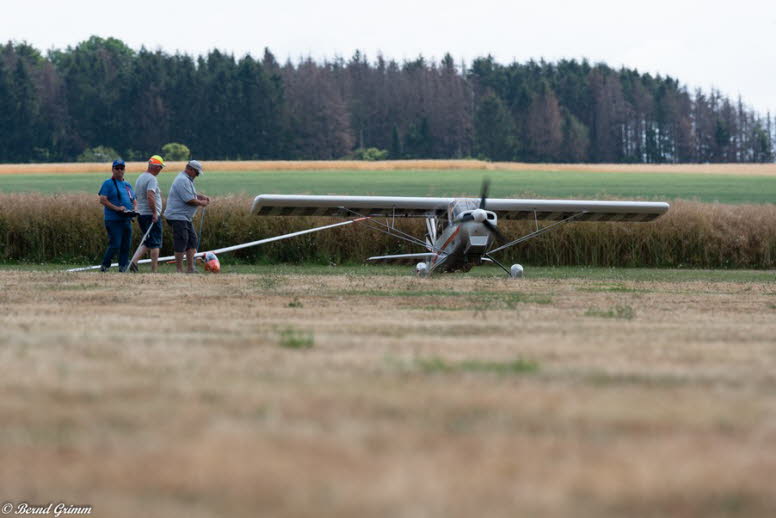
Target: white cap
[194, 164]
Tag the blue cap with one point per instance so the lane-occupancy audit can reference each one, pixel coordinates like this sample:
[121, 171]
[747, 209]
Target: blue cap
[118, 162]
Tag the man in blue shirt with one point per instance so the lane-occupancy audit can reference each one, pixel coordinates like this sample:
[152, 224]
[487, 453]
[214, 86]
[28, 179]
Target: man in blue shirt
[120, 204]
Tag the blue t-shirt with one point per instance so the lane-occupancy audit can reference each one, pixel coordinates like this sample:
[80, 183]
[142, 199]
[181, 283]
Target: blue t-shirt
[123, 196]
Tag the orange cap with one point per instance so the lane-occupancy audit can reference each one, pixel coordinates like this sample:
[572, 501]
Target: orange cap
[156, 160]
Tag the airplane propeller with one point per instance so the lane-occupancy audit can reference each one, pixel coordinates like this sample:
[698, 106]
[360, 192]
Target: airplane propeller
[501, 238]
[480, 216]
[484, 192]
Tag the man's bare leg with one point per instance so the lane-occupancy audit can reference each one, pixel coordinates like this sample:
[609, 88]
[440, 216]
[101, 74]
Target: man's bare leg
[190, 259]
[154, 259]
[179, 261]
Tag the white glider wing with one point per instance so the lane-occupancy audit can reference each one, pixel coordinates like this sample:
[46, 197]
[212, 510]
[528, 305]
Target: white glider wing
[416, 207]
[236, 247]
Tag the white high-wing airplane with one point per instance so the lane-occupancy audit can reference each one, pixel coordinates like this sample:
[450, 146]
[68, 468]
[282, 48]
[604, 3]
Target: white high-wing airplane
[461, 232]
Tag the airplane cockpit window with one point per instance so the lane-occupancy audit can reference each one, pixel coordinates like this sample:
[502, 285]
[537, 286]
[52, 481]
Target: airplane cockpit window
[462, 205]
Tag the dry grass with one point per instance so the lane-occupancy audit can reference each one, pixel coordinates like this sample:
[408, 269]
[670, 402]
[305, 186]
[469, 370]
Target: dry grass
[388, 165]
[172, 396]
[252, 165]
[724, 169]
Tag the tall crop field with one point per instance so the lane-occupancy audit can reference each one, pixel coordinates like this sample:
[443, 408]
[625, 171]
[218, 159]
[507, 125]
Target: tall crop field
[69, 228]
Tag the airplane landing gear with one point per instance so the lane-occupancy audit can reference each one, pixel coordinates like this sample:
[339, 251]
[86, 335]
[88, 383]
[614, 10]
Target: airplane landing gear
[421, 270]
[516, 271]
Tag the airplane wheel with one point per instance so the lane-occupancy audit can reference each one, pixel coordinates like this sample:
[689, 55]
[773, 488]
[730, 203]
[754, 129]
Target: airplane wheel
[516, 271]
[421, 270]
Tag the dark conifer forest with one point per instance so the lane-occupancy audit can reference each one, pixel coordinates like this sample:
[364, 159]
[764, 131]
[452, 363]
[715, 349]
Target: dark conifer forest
[54, 106]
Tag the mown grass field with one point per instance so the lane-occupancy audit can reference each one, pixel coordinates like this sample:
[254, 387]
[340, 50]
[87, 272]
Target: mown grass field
[485, 272]
[733, 188]
[364, 391]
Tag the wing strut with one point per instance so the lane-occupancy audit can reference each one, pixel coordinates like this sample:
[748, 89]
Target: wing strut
[538, 232]
[393, 231]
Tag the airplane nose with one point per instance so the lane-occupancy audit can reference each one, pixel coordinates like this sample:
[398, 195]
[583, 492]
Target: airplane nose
[479, 215]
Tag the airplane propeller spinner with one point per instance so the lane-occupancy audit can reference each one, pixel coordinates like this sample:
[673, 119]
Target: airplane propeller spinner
[480, 214]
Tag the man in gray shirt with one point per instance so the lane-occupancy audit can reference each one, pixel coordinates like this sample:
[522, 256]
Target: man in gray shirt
[182, 204]
[149, 206]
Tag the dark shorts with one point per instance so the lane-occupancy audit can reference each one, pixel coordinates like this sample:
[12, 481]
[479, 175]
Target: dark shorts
[183, 235]
[154, 239]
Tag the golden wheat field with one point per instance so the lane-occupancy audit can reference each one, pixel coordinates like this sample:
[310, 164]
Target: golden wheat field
[370, 395]
[748, 169]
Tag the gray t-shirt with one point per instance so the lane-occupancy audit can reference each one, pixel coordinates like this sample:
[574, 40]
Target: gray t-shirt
[181, 191]
[147, 182]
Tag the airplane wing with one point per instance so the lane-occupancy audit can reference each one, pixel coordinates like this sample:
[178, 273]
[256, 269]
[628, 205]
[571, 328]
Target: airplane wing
[417, 207]
[348, 206]
[588, 210]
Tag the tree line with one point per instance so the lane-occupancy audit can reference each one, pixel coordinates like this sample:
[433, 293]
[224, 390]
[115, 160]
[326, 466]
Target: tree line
[54, 107]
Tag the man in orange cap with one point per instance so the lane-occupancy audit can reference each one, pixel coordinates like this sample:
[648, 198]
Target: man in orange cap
[149, 206]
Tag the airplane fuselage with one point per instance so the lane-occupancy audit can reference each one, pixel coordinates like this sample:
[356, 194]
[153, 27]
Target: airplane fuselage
[461, 245]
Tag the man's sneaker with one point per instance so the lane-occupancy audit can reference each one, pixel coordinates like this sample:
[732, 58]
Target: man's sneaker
[104, 269]
[133, 267]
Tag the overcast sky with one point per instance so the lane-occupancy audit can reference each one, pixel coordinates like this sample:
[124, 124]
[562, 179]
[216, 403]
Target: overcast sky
[728, 45]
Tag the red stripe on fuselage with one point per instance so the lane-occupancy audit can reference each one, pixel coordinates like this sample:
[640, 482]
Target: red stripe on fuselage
[452, 236]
